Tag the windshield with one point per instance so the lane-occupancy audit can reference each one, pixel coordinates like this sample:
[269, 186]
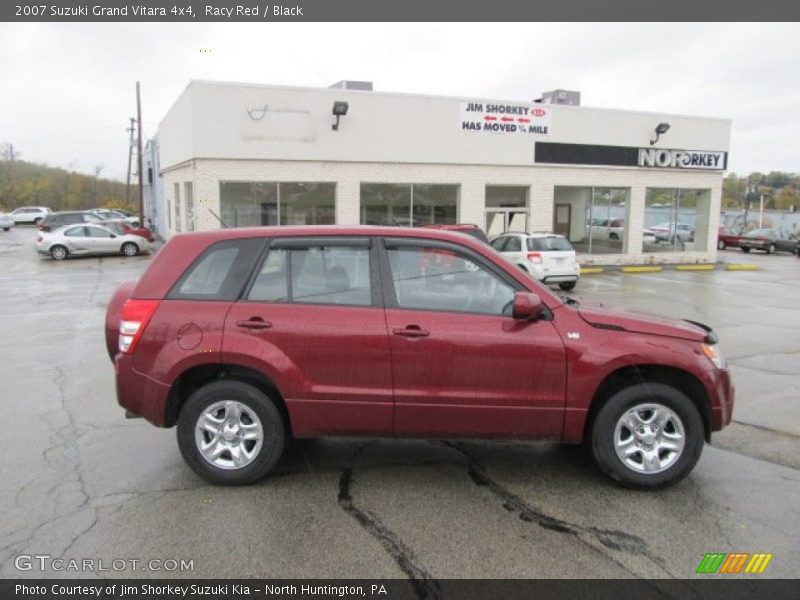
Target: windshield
[549, 244]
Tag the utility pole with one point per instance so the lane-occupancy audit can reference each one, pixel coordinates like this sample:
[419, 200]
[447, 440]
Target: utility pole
[11, 173]
[130, 129]
[141, 177]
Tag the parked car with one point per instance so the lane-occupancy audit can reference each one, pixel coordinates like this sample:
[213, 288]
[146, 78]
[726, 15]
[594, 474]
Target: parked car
[727, 239]
[769, 240]
[30, 215]
[121, 227]
[614, 229]
[548, 257]
[672, 232]
[245, 338]
[467, 228]
[112, 214]
[67, 217]
[86, 239]
[6, 221]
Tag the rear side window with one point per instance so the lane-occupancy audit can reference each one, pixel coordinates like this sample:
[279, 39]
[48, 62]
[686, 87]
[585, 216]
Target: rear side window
[513, 245]
[499, 243]
[220, 273]
[546, 244]
[315, 275]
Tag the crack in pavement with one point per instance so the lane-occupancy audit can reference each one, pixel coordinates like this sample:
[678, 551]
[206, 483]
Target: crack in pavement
[425, 586]
[612, 539]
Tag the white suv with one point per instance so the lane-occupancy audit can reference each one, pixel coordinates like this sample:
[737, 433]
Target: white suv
[29, 214]
[548, 257]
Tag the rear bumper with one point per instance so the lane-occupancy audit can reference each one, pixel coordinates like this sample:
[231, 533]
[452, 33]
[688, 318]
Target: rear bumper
[138, 393]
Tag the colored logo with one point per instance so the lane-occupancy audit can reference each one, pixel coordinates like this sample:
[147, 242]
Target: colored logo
[734, 563]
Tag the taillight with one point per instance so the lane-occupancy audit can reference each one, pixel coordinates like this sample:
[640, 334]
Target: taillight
[135, 315]
[535, 257]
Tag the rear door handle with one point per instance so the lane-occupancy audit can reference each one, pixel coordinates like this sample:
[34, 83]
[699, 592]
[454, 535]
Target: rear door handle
[413, 331]
[254, 323]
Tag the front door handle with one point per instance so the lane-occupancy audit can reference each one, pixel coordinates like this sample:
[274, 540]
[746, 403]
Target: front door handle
[254, 323]
[413, 331]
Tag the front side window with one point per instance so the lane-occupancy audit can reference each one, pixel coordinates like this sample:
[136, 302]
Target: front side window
[433, 278]
[315, 275]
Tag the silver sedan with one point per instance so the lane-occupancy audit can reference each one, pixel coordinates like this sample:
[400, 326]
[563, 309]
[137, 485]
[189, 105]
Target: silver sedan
[84, 239]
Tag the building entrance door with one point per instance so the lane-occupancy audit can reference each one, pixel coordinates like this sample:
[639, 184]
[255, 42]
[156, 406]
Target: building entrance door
[500, 220]
[561, 220]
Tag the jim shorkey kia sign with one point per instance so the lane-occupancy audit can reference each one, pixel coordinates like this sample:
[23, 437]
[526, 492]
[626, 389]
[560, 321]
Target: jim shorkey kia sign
[505, 118]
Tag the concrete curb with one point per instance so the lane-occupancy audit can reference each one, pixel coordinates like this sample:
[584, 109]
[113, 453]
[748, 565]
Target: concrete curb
[597, 270]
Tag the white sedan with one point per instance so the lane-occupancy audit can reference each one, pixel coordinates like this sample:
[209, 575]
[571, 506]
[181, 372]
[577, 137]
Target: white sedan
[85, 239]
[6, 221]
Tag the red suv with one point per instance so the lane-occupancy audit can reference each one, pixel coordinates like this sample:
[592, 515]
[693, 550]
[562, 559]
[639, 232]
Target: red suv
[244, 338]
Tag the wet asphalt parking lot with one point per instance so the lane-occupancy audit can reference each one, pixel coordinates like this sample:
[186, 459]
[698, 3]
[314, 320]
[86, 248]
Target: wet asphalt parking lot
[81, 481]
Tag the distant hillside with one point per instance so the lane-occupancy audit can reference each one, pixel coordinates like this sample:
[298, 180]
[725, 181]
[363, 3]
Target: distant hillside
[39, 185]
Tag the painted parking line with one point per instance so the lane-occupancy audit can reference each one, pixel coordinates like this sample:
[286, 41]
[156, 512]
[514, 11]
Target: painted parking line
[694, 268]
[642, 269]
[742, 267]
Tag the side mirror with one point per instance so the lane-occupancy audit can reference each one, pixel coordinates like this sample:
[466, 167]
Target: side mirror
[527, 306]
[113, 235]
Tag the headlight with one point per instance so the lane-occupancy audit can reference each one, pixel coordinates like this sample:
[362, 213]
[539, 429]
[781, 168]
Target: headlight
[715, 355]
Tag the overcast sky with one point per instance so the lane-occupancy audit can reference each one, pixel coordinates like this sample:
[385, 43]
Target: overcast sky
[68, 89]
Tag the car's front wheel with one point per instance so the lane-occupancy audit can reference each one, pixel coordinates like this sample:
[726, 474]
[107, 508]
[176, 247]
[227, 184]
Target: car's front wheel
[649, 435]
[230, 433]
[745, 250]
[720, 245]
[771, 249]
[59, 252]
[568, 286]
[130, 249]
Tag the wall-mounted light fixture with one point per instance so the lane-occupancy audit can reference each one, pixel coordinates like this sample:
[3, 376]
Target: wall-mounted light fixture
[339, 110]
[661, 128]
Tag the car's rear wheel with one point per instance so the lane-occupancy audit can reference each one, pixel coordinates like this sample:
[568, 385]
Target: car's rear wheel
[649, 435]
[130, 249]
[230, 433]
[568, 286]
[6, 228]
[771, 249]
[720, 245]
[37, 220]
[59, 252]
[745, 250]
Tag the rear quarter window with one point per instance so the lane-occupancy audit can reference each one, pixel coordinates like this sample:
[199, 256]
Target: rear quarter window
[220, 272]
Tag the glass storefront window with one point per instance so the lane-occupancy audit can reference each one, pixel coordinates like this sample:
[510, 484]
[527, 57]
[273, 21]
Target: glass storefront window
[676, 220]
[248, 204]
[595, 219]
[408, 205]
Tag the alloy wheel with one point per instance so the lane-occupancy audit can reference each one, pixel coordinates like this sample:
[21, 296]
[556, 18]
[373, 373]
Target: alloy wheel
[649, 438]
[229, 435]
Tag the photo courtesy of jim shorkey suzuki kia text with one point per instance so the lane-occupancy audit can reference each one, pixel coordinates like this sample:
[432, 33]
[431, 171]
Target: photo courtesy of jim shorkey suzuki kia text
[126, 590]
[256, 11]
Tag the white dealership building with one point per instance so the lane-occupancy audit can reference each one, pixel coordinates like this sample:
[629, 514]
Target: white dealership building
[251, 154]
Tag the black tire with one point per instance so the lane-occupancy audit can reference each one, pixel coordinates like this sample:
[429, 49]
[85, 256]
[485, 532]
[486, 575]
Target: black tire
[568, 286]
[59, 252]
[6, 228]
[771, 249]
[613, 236]
[721, 245]
[603, 434]
[745, 250]
[37, 220]
[129, 249]
[274, 432]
